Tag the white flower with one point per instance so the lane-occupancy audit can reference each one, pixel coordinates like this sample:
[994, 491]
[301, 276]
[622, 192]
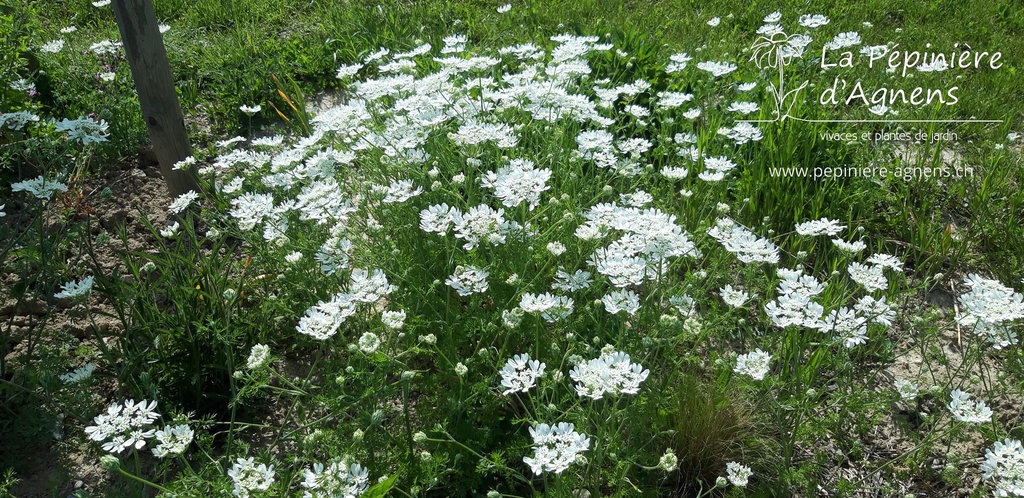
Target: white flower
[468, 280]
[393, 319]
[717, 69]
[437, 218]
[740, 241]
[1004, 463]
[714, 21]
[85, 130]
[78, 374]
[773, 17]
[182, 202]
[571, 283]
[843, 40]
[521, 373]
[173, 440]
[249, 477]
[678, 62]
[886, 261]
[556, 248]
[517, 182]
[39, 187]
[965, 410]
[621, 300]
[68, 29]
[461, 369]
[552, 308]
[504, 9]
[813, 21]
[555, 448]
[871, 277]
[348, 71]
[369, 342]
[339, 479]
[755, 364]
[738, 473]
[734, 297]
[170, 231]
[879, 109]
[987, 307]
[851, 328]
[185, 163]
[875, 310]
[259, 357]
[323, 320]
[17, 120]
[669, 462]
[52, 47]
[824, 226]
[401, 191]
[75, 289]
[250, 110]
[610, 373]
[907, 390]
[101, 3]
[743, 108]
[124, 426]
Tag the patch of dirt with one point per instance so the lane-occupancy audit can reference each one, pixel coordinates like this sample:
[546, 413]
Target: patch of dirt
[119, 196]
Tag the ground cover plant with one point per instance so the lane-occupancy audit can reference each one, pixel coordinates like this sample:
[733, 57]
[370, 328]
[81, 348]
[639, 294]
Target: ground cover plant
[517, 250]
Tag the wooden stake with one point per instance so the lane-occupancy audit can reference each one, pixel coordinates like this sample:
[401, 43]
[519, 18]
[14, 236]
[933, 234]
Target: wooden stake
[144, 47]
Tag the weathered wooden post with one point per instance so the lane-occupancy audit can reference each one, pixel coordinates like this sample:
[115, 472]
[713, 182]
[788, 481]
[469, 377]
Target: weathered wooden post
[154, 82]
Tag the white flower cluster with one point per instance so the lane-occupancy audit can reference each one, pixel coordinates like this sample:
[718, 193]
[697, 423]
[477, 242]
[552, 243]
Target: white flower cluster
[793, 305]
[79, 374]
[75, 289]
[620, 300]
[824, 226]
[85, 130]
[340, 478]
[611, 373]
[738, 473]
[754, 364]
[907, 390]
[249, 477]
[124, 426]
[555, 448]
[649, 237]
[517, 182]
[17, 120]
[39, 187]
[520, 373]
[737, 239]
[551, 307]
[323, 320]
[468, 280]
[572, 282]
[1004, 463]
[172, 440]
[989, 307]
[259, 357]
[965, 410]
